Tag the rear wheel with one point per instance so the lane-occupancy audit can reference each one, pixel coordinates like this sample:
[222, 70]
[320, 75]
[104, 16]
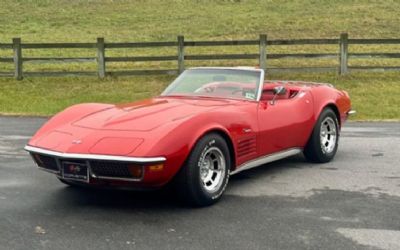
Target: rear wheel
[203, 178]
[323, 143]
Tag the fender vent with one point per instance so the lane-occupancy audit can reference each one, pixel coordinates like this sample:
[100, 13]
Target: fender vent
[246, 147]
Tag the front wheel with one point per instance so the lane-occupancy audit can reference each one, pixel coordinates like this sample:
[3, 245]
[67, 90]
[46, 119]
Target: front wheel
[323, 143]
[204, 177]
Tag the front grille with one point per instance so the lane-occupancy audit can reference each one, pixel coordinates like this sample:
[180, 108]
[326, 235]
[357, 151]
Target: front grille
[102, 169]
[46, 162]
[111, 169]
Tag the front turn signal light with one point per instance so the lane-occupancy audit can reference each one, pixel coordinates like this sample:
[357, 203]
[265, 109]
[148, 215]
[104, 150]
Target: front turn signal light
[156, 167]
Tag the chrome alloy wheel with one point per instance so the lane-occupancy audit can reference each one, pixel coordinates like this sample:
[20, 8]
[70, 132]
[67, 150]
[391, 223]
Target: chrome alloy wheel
[328, 135]
[212, 169]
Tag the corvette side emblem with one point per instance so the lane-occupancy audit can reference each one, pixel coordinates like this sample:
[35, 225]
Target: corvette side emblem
[76, 142]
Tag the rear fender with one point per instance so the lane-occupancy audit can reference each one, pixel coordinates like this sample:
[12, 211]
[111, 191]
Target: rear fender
[339, 101]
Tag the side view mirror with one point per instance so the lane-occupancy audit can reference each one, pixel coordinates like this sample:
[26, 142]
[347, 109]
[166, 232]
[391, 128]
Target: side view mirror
[278, 90]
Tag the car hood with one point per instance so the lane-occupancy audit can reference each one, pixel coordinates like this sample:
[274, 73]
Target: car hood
[146, 115]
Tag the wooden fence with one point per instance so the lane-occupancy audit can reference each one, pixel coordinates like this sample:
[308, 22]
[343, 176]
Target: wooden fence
[263, 56]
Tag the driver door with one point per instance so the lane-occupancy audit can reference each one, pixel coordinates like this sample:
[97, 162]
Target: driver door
[284, 124]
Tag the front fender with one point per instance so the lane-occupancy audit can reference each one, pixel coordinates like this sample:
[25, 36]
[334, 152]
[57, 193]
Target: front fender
[177, 144]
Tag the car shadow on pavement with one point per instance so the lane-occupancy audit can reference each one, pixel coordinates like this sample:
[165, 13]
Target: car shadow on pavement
[161, 198]
[117, 199]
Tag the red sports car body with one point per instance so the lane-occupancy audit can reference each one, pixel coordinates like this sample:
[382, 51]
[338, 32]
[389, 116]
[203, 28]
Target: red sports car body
[147, 144]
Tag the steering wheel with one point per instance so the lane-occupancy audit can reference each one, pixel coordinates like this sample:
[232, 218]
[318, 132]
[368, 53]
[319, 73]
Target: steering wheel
[205, 89]
[209, 88]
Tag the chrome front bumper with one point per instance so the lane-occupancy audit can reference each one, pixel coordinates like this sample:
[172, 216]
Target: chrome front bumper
[57, 158]
[93, 156]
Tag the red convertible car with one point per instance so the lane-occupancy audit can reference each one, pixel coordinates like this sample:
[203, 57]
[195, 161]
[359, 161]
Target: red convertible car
[208, 124]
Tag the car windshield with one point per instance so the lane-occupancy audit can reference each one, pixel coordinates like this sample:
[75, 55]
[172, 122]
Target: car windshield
[217, 82]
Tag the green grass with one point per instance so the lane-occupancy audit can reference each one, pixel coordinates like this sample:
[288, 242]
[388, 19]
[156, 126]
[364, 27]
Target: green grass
[375, 95]
[119, 20]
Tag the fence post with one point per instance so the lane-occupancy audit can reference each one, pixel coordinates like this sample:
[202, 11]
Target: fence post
[17, 58]
[344, 48]
[101, 63]
[263, 52]
[181, 54]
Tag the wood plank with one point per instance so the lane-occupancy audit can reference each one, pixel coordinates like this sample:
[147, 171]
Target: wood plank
[141, 58]
[143, 72]
[6, 59]
[101, 63]
[375, 68]
[302, 55]
[59, 45]
[302, 69]
[41, 60]
[222, 57]
[17, 58]
[140, 45]
[374, 55]
[6, 74]
[221, 43]
[262, 61]
[303, 41]
[344, 50]
[374, 41]
[6, 46]
[181, 54]
[59, 73]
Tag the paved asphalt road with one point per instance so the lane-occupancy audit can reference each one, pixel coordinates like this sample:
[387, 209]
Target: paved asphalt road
[350, 203]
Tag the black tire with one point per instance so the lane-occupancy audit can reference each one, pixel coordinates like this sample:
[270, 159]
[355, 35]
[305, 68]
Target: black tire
[189, 181]
[315, 150]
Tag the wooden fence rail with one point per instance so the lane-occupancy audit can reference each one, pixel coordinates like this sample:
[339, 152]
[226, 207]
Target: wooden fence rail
[181, 57]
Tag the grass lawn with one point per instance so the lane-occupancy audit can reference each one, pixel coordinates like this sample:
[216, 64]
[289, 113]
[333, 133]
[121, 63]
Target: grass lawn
[374, 95]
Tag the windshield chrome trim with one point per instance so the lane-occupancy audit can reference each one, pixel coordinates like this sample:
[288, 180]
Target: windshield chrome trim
[260, 85]
[219, 98]
[231, 68]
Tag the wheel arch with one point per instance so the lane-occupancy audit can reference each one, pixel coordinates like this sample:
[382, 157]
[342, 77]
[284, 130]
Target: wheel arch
[225, 135]
[335, 109]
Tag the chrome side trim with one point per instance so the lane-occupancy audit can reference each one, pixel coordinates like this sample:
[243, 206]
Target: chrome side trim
[266, 159]
[93, 156]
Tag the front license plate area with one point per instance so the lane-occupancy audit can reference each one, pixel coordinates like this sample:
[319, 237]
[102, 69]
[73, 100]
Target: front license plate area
[75, 171]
